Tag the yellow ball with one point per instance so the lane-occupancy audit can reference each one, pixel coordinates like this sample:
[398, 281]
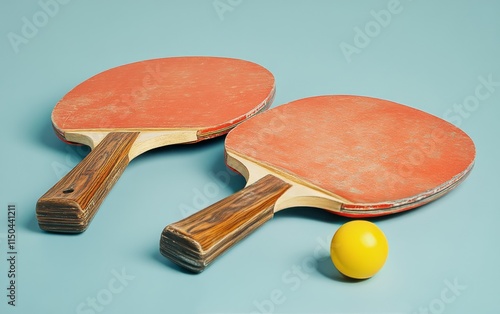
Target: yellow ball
[359, 249]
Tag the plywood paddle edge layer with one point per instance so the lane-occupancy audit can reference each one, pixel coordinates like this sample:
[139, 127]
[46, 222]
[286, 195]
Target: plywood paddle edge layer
[147, 140]
[214, 131]
[303, 193]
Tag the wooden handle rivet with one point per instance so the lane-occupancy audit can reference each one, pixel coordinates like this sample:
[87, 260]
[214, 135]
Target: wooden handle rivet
[68, 190]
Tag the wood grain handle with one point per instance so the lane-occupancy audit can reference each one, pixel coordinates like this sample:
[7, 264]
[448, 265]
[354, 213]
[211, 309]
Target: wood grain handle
[70, 204]
[196, 241]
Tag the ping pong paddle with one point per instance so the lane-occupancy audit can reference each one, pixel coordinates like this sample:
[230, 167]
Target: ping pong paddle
[350, 155]
[130, 109]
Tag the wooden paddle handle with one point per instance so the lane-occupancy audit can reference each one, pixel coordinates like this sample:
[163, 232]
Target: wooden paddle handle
[196, 241]
[70, 205]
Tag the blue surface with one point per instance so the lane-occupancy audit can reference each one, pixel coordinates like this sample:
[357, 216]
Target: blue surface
[436, 56]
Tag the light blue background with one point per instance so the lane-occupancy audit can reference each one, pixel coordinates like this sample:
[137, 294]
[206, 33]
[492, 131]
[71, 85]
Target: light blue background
[431, 55]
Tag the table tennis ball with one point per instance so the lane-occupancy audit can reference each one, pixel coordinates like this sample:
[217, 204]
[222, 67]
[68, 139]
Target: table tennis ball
[359, 249]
